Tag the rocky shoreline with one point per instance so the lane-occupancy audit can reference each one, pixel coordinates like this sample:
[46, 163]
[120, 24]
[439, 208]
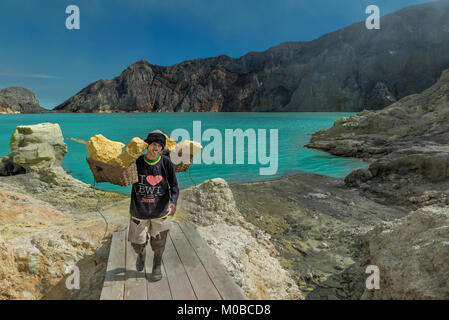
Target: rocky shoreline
[406, 144]
[315, 235]
[316, 224]
[50, 221]
[302, 236]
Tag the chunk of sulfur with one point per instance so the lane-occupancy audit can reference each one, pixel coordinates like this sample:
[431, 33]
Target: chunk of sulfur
[103, 149]
[132, 152]
[170, 144]
[191, 147]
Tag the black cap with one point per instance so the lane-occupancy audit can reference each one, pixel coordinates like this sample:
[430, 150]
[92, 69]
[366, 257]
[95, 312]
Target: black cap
[156, 136]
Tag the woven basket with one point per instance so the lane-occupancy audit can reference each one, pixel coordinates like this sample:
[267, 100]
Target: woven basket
[181, 167]
[116, 174]
[113, 173]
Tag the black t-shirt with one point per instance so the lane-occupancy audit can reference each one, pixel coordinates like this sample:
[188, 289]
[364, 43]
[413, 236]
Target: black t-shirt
[157, 186]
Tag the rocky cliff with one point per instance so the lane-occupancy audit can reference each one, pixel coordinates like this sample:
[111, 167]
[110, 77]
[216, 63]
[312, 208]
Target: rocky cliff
[347, 70]
[19, 100]
[406, 143]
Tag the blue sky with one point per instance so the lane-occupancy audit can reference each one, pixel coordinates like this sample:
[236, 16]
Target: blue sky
[38, 52]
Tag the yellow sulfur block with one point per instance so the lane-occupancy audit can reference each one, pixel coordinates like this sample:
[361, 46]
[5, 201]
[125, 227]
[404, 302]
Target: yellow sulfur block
[192, 146]
[103, 149]
[170, 144]
[132, 152]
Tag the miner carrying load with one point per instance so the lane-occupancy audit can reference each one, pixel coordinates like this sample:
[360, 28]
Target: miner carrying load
[153, 203]
[154, 185]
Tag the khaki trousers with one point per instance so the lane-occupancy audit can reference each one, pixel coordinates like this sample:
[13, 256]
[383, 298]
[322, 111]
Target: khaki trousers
[155, 230]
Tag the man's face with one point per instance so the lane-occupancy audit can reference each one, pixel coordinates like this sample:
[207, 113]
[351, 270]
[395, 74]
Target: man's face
[154, 149]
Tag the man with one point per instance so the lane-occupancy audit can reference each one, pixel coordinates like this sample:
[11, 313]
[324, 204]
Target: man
[153, 203]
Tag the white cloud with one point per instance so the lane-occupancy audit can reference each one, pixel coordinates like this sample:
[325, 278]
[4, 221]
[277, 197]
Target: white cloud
[27, 75]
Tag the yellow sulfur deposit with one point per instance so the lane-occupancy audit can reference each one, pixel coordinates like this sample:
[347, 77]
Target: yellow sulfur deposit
[103, 149]
[132, 152]
[170, 144]
[193, 146]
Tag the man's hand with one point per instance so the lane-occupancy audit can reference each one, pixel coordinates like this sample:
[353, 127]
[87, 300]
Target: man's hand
[172, 208]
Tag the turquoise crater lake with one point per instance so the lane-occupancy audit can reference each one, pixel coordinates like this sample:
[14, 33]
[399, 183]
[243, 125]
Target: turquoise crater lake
[294, 130]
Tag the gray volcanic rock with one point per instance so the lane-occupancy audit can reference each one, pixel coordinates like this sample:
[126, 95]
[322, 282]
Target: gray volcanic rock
[39, 146]
[5, 108]
[380, 96]
[412, 254]
[38, 150]
[146, 87]
[407, 144]
[347, 70]
[21, 100]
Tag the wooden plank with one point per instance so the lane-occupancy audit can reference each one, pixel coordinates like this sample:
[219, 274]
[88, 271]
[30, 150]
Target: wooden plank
[159, 290]
[199, 278]
[180, 286]
[136, 282]
[112, 292]
[113, 286]
[218, 274]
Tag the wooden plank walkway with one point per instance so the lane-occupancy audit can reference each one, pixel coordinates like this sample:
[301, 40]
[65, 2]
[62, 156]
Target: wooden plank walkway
[190, 269]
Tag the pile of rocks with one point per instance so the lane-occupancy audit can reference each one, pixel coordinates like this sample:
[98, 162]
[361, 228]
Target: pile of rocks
[245, 250]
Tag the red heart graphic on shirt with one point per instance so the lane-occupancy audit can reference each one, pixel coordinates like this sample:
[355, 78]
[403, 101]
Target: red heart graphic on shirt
[154, 180]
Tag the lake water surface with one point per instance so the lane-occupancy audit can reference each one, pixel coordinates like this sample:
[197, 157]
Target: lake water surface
[294, 130]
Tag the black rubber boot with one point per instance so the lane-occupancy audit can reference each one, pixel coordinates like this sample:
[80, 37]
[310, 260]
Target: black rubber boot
[156, 274]
[140, 261]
